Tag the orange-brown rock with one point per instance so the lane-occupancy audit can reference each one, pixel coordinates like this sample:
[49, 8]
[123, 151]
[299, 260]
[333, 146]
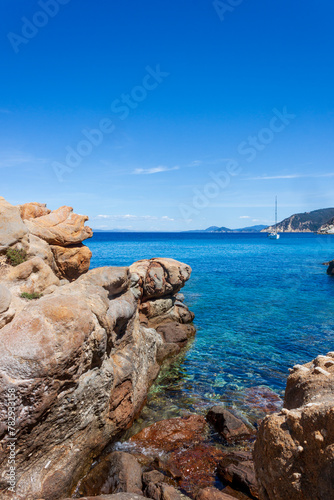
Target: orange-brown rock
[33, 276]
[33, 210]
[236, 469]
[168, 435]
[212, 494]
[117, 472]
[75, 354]
[294, 453]
[71, 261]
[61, 227]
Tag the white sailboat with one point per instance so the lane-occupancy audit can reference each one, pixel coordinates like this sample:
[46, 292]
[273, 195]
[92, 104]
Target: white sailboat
[274, 234]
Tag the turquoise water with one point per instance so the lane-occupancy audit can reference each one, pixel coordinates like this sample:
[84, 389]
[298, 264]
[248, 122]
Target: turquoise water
[261, 306]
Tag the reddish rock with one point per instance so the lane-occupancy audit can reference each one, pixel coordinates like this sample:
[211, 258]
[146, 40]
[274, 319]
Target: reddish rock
[212, 494]
[168, 435]
[237, 470]
[197, 466]
[228, 425]
[117, 472]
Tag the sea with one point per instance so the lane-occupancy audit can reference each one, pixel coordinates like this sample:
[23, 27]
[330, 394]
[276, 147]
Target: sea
[261, 306]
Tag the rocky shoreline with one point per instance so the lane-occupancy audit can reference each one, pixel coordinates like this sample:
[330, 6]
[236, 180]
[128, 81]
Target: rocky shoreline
[80, 350]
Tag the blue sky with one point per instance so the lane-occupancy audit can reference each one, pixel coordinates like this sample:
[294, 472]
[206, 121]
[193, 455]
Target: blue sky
[159, 115]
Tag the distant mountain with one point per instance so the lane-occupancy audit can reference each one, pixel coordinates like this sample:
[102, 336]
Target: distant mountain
[307, 222]
[212, 229]
[250, 229]
[216, 229]
[112, 231]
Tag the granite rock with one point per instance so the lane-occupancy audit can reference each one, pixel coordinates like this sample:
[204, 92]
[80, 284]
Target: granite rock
[294, 453]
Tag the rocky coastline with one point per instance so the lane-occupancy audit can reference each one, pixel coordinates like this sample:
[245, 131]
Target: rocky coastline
[81, 349]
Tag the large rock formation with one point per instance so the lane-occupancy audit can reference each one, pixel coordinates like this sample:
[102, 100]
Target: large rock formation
[330, 269]
[327, 228]
[307, 222]
[76, 362]
[294, 450]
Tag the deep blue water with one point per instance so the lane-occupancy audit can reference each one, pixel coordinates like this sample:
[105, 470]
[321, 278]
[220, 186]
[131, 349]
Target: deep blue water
[261, 306]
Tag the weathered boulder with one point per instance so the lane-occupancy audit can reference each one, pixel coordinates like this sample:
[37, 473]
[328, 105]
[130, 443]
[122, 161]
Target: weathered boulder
[12, 228]
[117, 472]
[156, 487]
[80, 363]
[166, 351]
[5, 298]
[117, 496]
[176, 333]
[71, 262]
[159, 277]
[32, 276]
[33, 210]
[40, 248]
[61, 227]
[78, 359]
[168, 435]
[237, 469]
[294, 453]
[212, 494]
[229, 426]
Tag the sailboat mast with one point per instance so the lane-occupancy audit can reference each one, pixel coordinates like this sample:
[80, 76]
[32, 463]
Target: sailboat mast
[276, 214]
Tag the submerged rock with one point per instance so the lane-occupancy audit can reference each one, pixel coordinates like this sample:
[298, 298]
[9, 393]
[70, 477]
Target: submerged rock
[168, 435]
[230, 427]
[196, 465]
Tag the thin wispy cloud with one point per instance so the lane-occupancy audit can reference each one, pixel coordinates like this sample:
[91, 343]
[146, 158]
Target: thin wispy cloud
[154, 170]
[198, 163]
[18, 159]
[244, 217]
[289, 176]
[132, 217]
